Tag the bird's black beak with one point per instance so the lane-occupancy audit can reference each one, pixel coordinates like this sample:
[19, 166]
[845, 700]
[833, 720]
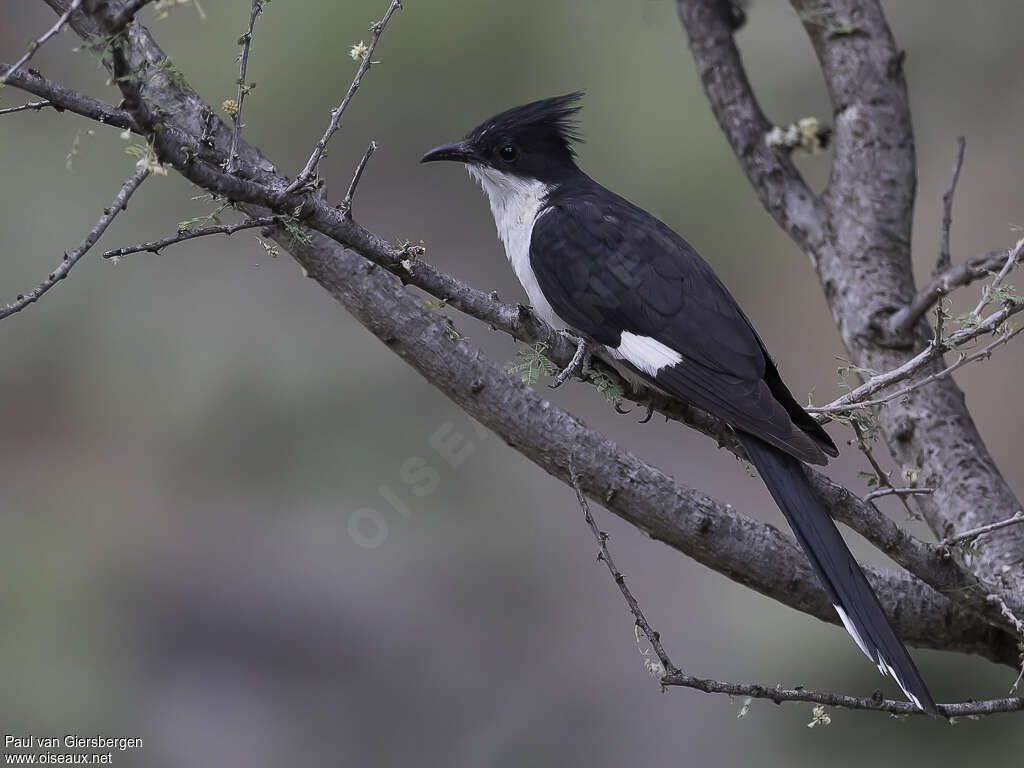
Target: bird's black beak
[457, 151]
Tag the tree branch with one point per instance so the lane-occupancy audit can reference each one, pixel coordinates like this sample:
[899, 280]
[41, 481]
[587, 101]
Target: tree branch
[1011, 260]
[243, 89]
[125, 12]
[1018, 517]
[876, 703]
[861, 246]
[314, 159]
[858, 397]
[941, 284]
[605, 556]
[71, 258]
[346, 204]
[714, 534]
[892, 491]
[945, 260]
[67, 99]
[155, 246]
[773, 175]
[39, 42]
[36, 105]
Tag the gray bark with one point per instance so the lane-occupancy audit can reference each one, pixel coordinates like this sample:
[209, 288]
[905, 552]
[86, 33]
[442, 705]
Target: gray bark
[858, 236]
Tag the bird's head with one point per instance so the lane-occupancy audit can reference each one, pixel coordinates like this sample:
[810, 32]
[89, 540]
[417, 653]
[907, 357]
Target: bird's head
[534, 142]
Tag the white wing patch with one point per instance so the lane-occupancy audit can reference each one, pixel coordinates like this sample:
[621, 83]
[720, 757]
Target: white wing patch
[647, 354]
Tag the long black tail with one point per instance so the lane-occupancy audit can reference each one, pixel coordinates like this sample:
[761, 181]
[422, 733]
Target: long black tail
[841, 576]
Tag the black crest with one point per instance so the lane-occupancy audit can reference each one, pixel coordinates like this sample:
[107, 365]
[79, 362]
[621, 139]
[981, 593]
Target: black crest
[552, 118]
[534, 140]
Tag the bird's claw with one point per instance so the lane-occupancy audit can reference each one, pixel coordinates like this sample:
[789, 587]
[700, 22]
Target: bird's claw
[578, 365]
[649, 414]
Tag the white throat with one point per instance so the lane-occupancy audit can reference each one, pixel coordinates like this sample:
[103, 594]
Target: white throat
[516, 205]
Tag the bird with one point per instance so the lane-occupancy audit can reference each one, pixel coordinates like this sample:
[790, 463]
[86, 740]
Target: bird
[628, 288]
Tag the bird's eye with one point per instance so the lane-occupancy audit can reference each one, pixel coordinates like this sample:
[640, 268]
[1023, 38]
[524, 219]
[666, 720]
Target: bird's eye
[508, 153]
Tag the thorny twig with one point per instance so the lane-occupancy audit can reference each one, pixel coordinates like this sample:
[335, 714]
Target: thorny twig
[883, 477]
[942, 283]
[960, 362]
[36, 44]
[876, 703]
[945, 258]
[904, 320]
[858, 398]
[890, 491]
[346, 204]
[605, 556]
[71, 258]
[973, 533]
[36, 105]
[243, 89]
[314, 159]
[1011, 259]
[156, 246]
[1010, 616]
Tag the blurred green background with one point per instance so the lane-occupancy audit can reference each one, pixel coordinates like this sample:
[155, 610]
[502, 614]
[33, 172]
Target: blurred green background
[199, 446]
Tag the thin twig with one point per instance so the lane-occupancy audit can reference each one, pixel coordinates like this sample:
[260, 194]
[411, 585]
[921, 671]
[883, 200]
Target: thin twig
[841, 406]
[877, 703]
[314, 159]
[941, 284]
[605, 556]
[156, 246]
[883, 477]
[973, 533]
[1011, 259]
[890, 491]
[72, 257]
[243, 89]
[859, 397]
[36, 105]
[346, 204]
[945, 259]
[1009, 615]
[36, 44]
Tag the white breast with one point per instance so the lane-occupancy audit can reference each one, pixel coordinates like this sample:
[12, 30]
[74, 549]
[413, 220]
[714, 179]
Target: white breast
[516, 204]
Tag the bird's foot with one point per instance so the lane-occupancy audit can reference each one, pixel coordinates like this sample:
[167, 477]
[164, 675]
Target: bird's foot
[579, 364]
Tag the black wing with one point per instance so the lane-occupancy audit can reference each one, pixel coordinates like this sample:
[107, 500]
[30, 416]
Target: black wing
[608, 267]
